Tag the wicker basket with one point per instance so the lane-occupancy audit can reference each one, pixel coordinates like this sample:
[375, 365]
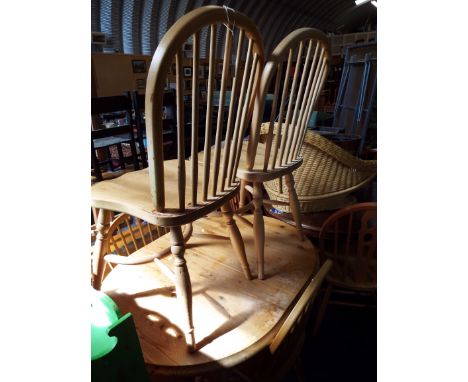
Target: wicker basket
[326, 177]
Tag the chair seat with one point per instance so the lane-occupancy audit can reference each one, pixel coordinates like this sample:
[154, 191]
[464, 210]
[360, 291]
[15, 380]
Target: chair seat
[130, 193]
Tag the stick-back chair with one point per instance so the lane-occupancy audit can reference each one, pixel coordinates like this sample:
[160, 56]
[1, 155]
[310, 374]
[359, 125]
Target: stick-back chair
[126, 234]
[178, 192]
[349, 238]
[296, 70]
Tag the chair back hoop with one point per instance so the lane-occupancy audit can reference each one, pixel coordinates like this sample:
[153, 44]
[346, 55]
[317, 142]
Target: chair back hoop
[349, 238]
[227, 50]
[299, 66]
[293, 326]
[127, 234]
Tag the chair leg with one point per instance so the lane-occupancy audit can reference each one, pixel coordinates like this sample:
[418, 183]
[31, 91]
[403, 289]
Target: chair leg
[259, 228]
[322, 309]
[183, 284]
[242, 193]
[294, 204]
[102, 227]
[236, 239]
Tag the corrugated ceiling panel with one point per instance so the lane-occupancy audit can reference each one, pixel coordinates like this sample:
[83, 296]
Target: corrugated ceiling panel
[95, 16]
[105, 21]
[137, 26]
[131, 26]
[149, 27]
[181, 7]
[163, 17]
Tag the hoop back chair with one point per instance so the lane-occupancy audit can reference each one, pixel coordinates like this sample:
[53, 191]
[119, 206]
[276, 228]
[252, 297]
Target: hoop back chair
[298, 68]
[179, 191]
[126, 234]
[349, 238]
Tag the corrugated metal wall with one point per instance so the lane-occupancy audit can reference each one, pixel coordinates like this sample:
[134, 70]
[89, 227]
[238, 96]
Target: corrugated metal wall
[136, 26]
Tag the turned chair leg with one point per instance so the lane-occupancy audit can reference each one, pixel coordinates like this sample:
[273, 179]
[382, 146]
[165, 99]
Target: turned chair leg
[259, 228]
[182, 284]
[294, 204]
[100, 245]
[242, 193]
[236, 239]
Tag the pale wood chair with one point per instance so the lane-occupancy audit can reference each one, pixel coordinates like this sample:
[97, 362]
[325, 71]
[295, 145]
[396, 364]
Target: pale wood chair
[296, 70]
[349, 238]
[166, 194]
[126, 234]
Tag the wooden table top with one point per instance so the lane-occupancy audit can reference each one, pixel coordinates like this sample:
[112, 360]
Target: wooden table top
[231, 314]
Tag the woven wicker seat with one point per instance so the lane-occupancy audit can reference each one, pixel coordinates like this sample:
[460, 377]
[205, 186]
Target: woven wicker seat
[326, 178]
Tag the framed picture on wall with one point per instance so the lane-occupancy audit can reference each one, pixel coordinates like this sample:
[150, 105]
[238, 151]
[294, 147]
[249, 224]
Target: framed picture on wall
[141, 83]
[139, 66]
[187, 71]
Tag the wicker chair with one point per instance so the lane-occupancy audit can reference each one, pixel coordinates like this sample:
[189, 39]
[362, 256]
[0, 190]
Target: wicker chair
[326, 178]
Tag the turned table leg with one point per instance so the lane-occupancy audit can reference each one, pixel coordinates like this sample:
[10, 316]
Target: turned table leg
[294, 204]
[182, 283]
[259, 228]
[100, 245]
[236, 239]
